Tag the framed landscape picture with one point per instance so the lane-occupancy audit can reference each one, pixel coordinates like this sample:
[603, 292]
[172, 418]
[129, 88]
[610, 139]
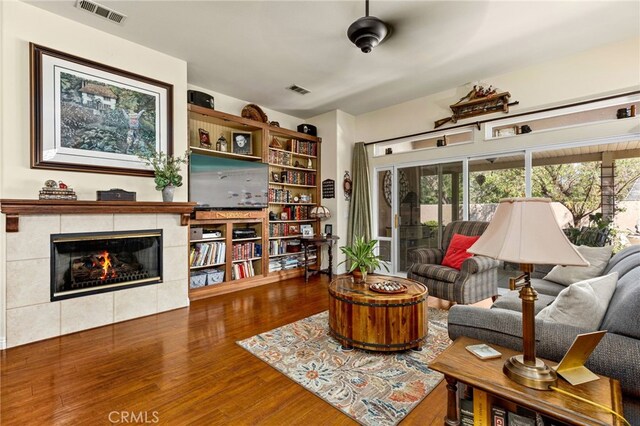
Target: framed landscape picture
[90, 117]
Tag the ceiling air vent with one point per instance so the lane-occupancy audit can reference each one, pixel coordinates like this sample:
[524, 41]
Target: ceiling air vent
[100, 10]
[298, 89]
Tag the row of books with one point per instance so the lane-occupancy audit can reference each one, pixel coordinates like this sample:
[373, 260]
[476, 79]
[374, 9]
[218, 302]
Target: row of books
[280, 157]
[207, 253]
[304, 147]
[290, 262]
[282, 230]
[280, 196]
[297, 212]
[242, 270]
[474, 412]
[284, 246]
[246, 251]
[297, 178]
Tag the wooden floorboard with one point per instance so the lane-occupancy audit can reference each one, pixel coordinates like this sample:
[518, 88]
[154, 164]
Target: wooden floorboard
[178, 367]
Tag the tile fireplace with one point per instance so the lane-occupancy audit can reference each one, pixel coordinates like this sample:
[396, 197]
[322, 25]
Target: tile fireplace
[91, 263]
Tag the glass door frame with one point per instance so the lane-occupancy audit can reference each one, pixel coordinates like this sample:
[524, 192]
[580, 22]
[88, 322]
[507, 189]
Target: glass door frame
[394, 214]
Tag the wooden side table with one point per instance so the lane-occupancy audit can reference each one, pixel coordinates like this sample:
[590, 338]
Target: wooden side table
[318, 241]
[491, 387]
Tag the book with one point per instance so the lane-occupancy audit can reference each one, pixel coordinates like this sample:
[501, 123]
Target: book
[483, 351]
[466, 412]
[480, 408]
[518, 420]
[498, 416]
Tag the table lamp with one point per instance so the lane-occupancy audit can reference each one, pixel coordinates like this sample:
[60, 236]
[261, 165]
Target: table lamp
[526, 231]
[319, 212]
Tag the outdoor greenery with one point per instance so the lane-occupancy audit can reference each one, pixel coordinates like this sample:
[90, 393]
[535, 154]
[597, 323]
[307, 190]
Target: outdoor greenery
[165, 167]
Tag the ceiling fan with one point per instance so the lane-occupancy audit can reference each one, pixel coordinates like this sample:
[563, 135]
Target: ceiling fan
[367, 32]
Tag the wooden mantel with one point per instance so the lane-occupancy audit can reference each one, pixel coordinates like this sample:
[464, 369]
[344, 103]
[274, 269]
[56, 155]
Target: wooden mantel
[14, 208]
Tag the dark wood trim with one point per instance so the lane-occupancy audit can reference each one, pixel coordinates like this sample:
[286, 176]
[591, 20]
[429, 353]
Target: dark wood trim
[13, 208]
[478, 123]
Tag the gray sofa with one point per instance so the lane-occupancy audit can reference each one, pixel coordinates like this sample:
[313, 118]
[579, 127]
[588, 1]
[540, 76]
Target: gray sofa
[617, 355]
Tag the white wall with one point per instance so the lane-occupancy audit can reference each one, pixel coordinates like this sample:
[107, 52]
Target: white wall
[603, 71]
[337, 130]
[234, 106]
[21, 24]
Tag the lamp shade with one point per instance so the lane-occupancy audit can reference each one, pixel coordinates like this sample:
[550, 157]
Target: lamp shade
[320, 212]
[525, 230]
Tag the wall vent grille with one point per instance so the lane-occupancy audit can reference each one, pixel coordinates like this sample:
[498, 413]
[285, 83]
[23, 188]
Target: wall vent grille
[100, 10]
[298, 89]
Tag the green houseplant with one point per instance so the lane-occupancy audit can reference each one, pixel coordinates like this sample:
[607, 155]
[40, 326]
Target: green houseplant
[166, 169]
[362, 256]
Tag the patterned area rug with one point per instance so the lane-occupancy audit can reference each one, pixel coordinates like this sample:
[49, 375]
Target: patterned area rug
[371, 387]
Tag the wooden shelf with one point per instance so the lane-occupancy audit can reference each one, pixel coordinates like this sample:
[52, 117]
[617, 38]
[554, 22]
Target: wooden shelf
[13, 208]
[291, 184]
[300, 169]
[291, 204]
[213, 265]
[208, 240]
[293, 153]
[215, 153]
[246, 260]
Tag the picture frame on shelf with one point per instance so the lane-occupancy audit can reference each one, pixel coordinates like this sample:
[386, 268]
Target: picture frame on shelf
[294, 229]
[328, 229]
[306, 230]
[205, 140]
[72, 97]
[241, 143]
[275, 177]
[284, 216]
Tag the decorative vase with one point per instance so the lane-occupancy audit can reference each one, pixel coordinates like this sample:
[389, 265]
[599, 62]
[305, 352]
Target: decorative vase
[167, 193]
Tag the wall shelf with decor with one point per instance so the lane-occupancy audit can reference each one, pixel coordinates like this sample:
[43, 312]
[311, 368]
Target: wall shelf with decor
[295, 158]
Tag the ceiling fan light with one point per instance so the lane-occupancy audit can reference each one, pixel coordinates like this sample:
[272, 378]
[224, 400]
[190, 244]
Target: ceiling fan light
[367, 32]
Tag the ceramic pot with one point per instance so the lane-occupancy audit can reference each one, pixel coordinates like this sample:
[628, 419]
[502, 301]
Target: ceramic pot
[167, 193]
[359, 276]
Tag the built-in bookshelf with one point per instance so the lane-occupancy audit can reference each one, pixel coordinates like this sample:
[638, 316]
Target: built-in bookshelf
[275, 252]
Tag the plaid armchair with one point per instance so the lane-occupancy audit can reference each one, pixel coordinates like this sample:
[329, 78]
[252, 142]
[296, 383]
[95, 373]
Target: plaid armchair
[476, 280]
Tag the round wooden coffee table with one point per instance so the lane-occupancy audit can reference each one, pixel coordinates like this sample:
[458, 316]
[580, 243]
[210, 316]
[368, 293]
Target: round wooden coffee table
[362, 318]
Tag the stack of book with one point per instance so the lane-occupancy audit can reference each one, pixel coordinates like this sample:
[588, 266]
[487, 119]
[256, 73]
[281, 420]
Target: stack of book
[49, 193]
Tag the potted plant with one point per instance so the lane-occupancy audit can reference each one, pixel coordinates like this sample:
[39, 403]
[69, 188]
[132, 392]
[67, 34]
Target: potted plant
[166, 169]
[363, 259]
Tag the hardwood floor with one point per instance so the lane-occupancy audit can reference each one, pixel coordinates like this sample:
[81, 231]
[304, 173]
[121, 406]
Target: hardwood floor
[178, 367]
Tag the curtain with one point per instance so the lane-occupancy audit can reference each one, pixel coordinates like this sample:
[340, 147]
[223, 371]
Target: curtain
[360, 208]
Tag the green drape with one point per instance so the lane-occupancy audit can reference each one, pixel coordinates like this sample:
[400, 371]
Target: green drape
[360, 208]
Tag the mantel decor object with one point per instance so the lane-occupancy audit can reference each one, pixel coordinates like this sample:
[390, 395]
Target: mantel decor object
[478, 101]
[525, 231]
[254, 112]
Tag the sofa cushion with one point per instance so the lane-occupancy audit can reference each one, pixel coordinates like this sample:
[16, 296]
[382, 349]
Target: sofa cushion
[633, 250]
[457, 250]
[511, 301]
[582, 304]
[547, 287]
[623, 315]
[436, 272]
[597, 258]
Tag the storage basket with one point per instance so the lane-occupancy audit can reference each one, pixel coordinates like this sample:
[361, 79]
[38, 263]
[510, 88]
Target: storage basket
[198, 279]
[214, 276]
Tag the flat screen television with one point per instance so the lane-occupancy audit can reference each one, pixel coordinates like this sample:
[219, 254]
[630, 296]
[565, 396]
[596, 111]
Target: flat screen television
[225, 183]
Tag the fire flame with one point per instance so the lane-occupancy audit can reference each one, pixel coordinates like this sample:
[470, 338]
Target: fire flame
[106, 265]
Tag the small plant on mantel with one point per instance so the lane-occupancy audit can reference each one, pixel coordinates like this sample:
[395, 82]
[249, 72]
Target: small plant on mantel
[166, 169]
[363, 259]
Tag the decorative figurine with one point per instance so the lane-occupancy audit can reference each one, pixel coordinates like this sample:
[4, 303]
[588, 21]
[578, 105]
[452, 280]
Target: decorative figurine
[62, 185]
[221, 143]
[50, 184]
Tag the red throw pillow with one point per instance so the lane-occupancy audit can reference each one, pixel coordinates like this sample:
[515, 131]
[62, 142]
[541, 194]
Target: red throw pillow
[457, 251]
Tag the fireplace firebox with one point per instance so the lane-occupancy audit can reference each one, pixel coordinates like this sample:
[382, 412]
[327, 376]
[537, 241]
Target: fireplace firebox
[99, 262]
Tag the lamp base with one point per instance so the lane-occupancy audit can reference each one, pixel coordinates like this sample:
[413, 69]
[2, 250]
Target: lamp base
[538, 376]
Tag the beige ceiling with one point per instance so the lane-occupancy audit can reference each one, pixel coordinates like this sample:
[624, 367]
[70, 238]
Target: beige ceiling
[252, 50]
